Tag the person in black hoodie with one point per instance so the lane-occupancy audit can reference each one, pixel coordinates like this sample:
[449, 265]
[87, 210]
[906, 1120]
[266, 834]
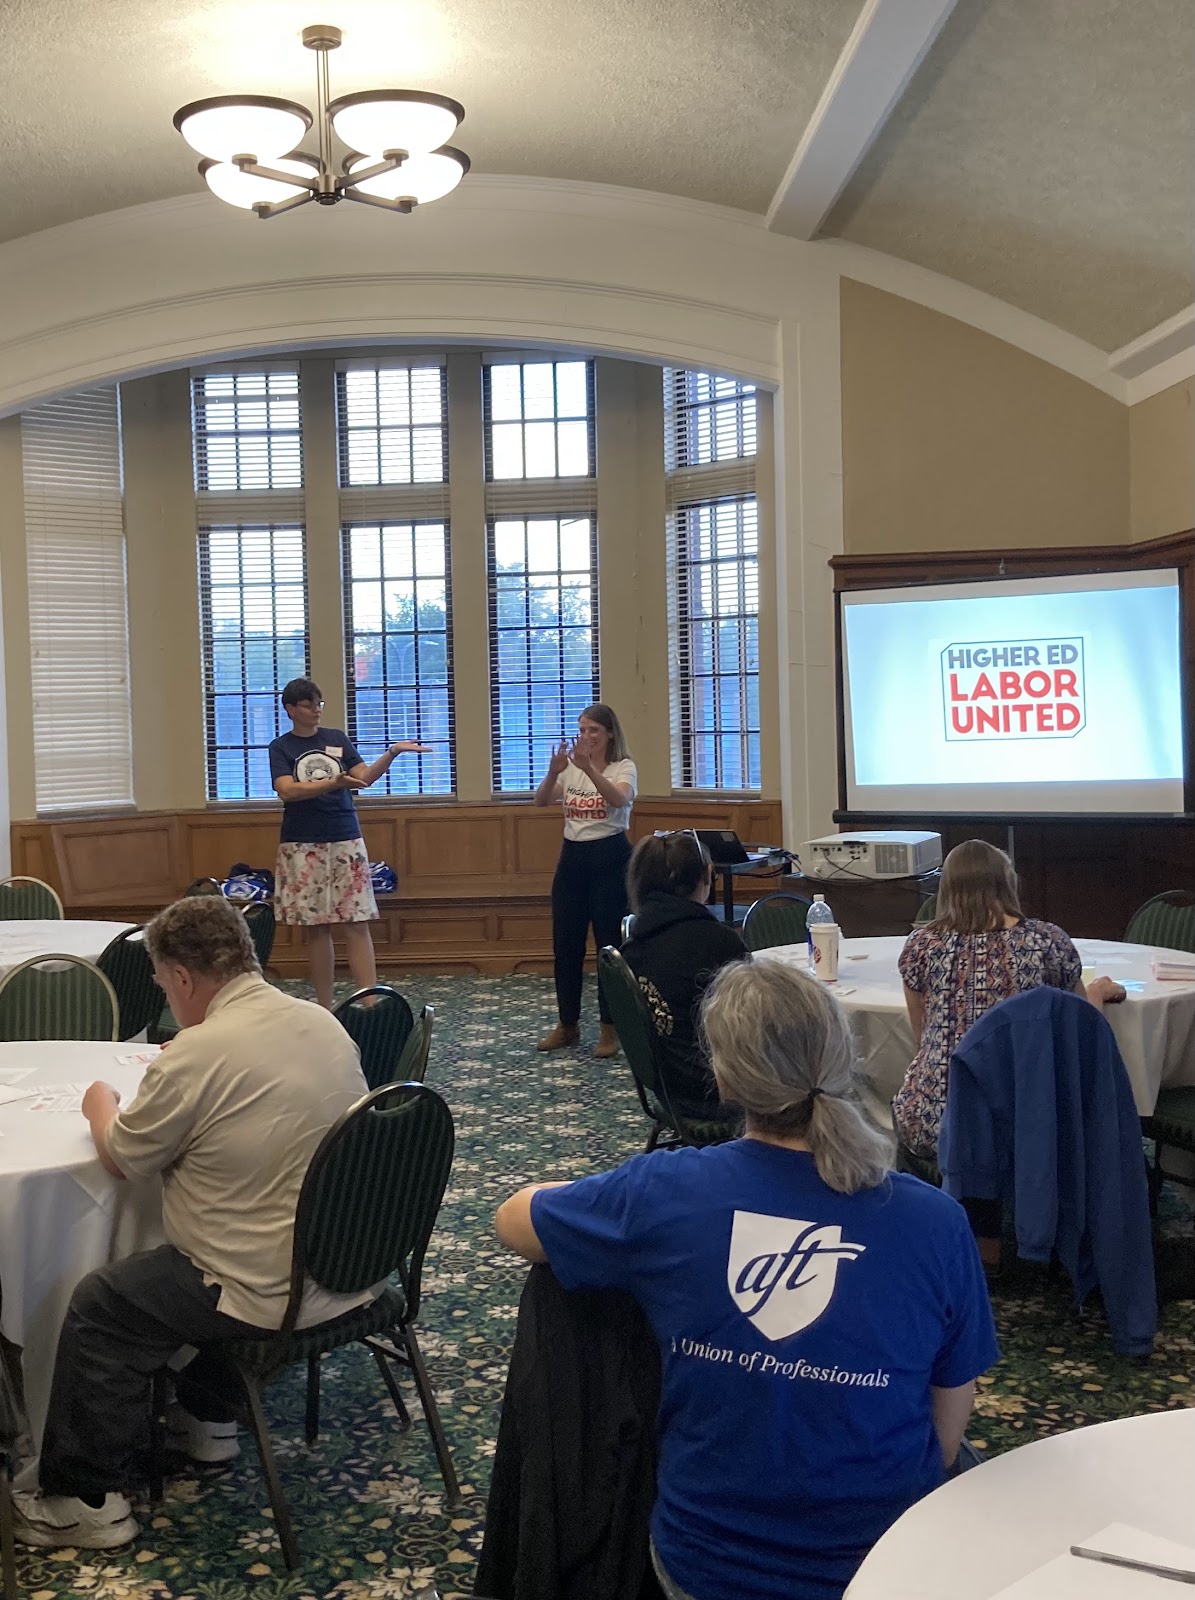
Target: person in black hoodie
[675, 948]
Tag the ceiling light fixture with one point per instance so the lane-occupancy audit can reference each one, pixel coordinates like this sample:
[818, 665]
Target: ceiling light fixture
[397, 141]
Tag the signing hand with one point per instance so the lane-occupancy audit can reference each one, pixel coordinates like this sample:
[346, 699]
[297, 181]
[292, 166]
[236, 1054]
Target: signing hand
[560, 758]
[580, 758]
[347, 781]
[402, 747]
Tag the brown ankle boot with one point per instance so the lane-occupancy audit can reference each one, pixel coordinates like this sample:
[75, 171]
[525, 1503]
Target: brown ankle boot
[607, 1044]
[561, 1036]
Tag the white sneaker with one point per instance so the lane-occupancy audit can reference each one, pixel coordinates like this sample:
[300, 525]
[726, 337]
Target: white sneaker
[52, 1521]
[205, 1442]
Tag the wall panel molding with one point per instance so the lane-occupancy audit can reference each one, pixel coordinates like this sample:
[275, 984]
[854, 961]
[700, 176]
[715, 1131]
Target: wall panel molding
[474, 880]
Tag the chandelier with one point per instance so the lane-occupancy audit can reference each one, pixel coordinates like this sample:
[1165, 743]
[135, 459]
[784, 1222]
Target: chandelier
[397, 158]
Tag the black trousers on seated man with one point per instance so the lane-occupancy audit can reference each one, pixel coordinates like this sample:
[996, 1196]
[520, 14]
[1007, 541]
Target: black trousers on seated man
[124, 1324]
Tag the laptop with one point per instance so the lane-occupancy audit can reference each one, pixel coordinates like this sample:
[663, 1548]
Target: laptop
[725, 848]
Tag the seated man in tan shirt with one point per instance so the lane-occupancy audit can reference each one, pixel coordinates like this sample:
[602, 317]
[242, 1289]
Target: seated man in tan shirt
[230, 1116]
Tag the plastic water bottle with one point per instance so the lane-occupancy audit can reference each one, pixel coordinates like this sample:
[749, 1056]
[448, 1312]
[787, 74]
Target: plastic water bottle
[819, 911]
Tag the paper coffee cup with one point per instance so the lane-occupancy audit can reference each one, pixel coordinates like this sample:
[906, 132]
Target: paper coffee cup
[825, 937]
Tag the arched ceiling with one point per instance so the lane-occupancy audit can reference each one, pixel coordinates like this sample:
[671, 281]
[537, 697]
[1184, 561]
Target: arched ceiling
[1041, 150]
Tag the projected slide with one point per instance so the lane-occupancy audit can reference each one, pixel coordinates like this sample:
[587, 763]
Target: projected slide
[1033, 695]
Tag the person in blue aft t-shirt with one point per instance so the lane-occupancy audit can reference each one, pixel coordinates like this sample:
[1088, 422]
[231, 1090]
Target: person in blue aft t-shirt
[821, 1319]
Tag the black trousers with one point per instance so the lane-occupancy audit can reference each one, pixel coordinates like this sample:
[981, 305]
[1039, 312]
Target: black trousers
[589, 888]
[123, 1325]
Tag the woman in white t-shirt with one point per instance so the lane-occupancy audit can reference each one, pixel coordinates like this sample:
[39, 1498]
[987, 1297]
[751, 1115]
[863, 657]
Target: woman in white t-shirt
[595, 780]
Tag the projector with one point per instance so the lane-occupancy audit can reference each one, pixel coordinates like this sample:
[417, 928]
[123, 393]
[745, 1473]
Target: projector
[871, 855]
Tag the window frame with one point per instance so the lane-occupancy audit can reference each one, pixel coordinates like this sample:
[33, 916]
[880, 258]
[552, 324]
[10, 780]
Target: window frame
[350, 636]
[207, 641]
[687, 677]
[497, 738]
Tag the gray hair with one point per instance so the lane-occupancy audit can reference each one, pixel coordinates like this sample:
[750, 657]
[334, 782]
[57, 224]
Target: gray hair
[205, 935]
[782, 1051]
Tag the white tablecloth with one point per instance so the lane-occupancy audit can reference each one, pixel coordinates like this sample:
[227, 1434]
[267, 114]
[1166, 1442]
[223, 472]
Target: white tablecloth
[61, 1214]
[1154, 1026]
[21, 941]
[994, 1525]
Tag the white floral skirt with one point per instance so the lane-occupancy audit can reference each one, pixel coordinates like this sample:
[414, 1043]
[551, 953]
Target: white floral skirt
[318, 883]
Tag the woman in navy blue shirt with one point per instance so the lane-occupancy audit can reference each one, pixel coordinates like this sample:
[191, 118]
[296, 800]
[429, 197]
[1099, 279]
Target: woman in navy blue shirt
[821, 1319]
[322, 873]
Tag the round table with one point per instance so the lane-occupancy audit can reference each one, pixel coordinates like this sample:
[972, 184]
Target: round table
[1154, 1026]
[992, 1526]
[22, 941]
[61, 1214]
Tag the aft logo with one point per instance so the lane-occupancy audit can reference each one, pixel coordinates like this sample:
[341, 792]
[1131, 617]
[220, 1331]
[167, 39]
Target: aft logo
[1013, 689]
[781, 1272]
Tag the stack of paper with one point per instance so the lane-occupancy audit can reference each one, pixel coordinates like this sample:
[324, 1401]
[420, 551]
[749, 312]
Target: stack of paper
[1170, 969]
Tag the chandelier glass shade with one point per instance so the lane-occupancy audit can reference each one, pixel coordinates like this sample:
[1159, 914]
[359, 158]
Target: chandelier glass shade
[233, 125]
[395, 119]
[420, 179]
[246, 189]
[398, 155]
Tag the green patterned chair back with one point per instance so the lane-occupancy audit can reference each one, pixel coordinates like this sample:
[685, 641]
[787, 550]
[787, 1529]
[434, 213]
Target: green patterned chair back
[371, 1195]
[636, 1030]
[57, 997]
[776, 919]
[260, 918]
[28, 900]
[926, 911]
[202, 886]
[127, 967]
[412, 1064]
[380, 1031]
[1168, 920]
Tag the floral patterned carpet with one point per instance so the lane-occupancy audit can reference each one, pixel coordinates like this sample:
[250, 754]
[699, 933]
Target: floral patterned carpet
[367, 1502]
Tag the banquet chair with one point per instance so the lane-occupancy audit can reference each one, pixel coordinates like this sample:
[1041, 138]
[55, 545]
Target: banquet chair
[365, 1214]
[380, 1031]
[1168, 920]
[670, 1122]
[1171, 1123]
[126, 965]
[412, 1065]
[28, 900]
[58, 997]
[260, 917]
[776, 919]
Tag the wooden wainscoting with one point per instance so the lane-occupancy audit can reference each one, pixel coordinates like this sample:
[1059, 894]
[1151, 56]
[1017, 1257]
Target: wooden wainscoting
[474, 880]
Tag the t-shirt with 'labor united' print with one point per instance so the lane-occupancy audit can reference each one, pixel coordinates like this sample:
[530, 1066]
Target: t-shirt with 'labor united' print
[587, 814]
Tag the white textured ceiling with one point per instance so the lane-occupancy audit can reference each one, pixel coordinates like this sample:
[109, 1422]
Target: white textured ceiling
[705, 98]
[1045, 152]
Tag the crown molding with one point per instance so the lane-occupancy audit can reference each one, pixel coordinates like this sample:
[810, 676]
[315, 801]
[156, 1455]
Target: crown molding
[1158, 359]
[979, 310]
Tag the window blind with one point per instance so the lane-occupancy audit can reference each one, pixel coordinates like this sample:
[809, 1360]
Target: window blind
[713, 569]
[253, 630]
[392, 435]
[541, 559]
[252, 566]
[78, 602]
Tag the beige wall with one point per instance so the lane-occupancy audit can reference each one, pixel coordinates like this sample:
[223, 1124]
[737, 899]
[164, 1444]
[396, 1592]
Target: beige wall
[952, 439]
[1162, 463]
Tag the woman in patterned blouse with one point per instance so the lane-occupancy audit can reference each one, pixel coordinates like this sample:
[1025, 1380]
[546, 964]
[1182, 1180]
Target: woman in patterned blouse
[977, 951]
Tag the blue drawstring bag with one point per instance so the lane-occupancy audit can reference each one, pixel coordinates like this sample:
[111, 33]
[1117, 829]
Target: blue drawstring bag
[383, 877]
[247, 884]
